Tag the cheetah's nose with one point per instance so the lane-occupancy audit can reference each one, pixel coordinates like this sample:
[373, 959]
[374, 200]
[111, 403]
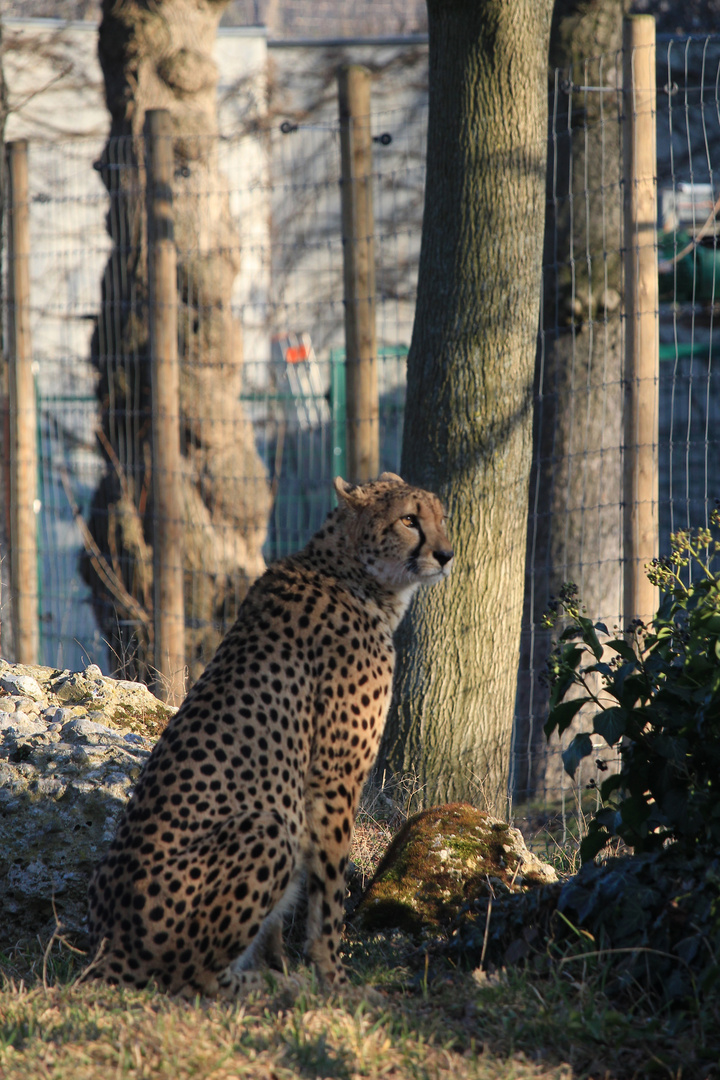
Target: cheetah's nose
[444, 555]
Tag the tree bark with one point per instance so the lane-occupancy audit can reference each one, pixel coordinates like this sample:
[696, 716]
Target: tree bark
[159, 55]
[468, 416]
[575, 509]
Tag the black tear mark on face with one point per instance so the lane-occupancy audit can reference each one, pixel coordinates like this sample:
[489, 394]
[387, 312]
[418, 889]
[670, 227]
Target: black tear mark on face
[415, 553]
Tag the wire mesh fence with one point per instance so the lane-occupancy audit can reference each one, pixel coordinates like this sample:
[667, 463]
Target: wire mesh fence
[286, 382]
[264, 393]
[577, 500]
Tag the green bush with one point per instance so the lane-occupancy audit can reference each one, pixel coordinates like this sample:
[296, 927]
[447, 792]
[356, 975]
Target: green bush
[657, 699]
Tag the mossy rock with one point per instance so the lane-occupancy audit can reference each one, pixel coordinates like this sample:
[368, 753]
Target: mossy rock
[441, 860]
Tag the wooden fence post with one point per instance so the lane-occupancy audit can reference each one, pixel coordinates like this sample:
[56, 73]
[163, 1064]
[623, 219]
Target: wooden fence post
[358, 235]
[640, 479]
[23, 420]
[169, 603]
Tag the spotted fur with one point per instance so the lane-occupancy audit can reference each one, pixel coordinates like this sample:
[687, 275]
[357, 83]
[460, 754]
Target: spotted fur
[254, 785]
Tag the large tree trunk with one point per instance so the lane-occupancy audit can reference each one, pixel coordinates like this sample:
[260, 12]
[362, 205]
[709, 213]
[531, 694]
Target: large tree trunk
[159, 55]
[468, 416]
[575, 511]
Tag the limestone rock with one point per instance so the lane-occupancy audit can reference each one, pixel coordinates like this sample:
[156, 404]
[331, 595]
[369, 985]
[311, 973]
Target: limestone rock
[17, 723]
[69, 759]
[124, 703]
[21, 684]
[442, 859]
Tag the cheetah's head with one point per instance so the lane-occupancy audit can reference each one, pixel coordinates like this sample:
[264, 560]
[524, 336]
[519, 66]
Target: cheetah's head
[396, 531]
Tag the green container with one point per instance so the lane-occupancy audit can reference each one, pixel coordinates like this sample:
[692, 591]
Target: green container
[693, 278]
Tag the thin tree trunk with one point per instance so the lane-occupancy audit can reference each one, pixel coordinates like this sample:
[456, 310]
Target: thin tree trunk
[575, 523]
[468, 417]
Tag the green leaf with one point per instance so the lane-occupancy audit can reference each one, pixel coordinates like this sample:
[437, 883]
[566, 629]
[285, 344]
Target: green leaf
[711, 622]
[618, 682]
[571, 656]
[607, 818]
[661, 706]
[590, 637]
[634, 688]
[593, 843]
[569, 660]
[623, 649]
[612, 784]
[635, 812]
[610, 724]
[710, 978]
[563, 714]
[581, 747]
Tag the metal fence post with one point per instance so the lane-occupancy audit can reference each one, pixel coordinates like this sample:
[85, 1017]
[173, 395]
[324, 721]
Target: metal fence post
[23, 421]
[358, 233]
[169, 605]
[640, 470]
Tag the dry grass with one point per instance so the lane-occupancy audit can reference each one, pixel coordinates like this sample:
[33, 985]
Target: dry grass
[370, 842]
[423, 1019]
[429, 1022]
[87, 1032]
[384, 809]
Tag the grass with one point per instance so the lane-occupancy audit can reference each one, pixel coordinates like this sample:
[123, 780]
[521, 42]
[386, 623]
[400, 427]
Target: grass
[421, 1019]
[427, 1022]
[90, 1031]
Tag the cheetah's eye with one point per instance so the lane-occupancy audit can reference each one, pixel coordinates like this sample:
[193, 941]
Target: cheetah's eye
[409, 521]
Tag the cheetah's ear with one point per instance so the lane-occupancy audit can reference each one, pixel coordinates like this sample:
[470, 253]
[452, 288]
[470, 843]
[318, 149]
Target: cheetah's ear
[351, 494]
[391, 478]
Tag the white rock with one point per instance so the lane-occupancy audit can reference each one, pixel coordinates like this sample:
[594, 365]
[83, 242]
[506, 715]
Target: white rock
[61, 715]
[137, 740]
[65, 776]
[81, 729]
[51, 786]
[18, 723]
[21, 684]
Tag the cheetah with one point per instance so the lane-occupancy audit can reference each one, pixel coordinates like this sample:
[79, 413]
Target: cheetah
[251, 792]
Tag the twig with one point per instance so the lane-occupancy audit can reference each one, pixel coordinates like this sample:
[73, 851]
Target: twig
[487, 923]
[57, 935]
[94, 963]
[114, 461]
[99, 563]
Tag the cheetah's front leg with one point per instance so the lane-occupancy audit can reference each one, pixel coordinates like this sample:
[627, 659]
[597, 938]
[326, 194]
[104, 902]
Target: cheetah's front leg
[331, 814]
